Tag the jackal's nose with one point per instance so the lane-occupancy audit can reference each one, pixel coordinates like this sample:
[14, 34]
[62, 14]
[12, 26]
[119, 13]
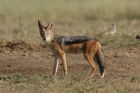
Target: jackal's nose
[44, 39]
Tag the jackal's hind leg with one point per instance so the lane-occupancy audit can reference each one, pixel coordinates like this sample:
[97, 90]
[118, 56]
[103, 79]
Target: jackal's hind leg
[90, 60]
[94, 68]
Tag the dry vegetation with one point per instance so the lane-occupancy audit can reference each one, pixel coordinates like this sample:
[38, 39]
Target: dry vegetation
[70, 84]
[71, 17]
[19, 19]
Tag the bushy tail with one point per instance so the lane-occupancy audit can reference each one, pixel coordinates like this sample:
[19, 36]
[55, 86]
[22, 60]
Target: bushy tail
[101, 61]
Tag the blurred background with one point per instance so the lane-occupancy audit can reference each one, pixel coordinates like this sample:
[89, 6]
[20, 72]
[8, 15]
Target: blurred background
[18, 19]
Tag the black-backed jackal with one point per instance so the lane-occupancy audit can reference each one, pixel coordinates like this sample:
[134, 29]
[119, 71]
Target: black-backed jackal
[59, 45]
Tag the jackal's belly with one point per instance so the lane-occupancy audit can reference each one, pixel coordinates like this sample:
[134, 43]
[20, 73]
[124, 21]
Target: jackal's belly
[74, 48]
[74, 51]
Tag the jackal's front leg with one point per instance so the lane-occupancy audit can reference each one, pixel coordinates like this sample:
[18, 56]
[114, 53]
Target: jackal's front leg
[56, 64]
[63, 58]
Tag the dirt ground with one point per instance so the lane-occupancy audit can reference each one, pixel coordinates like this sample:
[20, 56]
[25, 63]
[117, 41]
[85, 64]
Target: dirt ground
[31, 59]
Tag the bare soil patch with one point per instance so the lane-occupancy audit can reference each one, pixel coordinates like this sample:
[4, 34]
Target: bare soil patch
[31, 59]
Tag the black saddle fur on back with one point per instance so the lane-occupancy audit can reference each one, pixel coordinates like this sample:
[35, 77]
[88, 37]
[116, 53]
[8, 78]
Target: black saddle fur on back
[67, 40]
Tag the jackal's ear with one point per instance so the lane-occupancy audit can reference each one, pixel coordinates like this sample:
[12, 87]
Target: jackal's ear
[50, 25]
[39, 24]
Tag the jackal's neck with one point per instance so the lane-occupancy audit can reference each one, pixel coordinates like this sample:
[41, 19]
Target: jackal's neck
[57, 38]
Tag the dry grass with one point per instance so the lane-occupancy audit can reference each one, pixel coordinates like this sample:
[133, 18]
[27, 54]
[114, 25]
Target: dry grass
[70, 84]
[87, 17]
[71, 17]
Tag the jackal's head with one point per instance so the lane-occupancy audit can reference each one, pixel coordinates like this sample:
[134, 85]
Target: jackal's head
[46, 32]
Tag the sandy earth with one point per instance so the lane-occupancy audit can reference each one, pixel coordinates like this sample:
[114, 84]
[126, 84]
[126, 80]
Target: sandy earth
[31, 59]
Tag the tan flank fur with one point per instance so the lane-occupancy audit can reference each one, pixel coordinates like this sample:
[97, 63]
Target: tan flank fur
[59, 45]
